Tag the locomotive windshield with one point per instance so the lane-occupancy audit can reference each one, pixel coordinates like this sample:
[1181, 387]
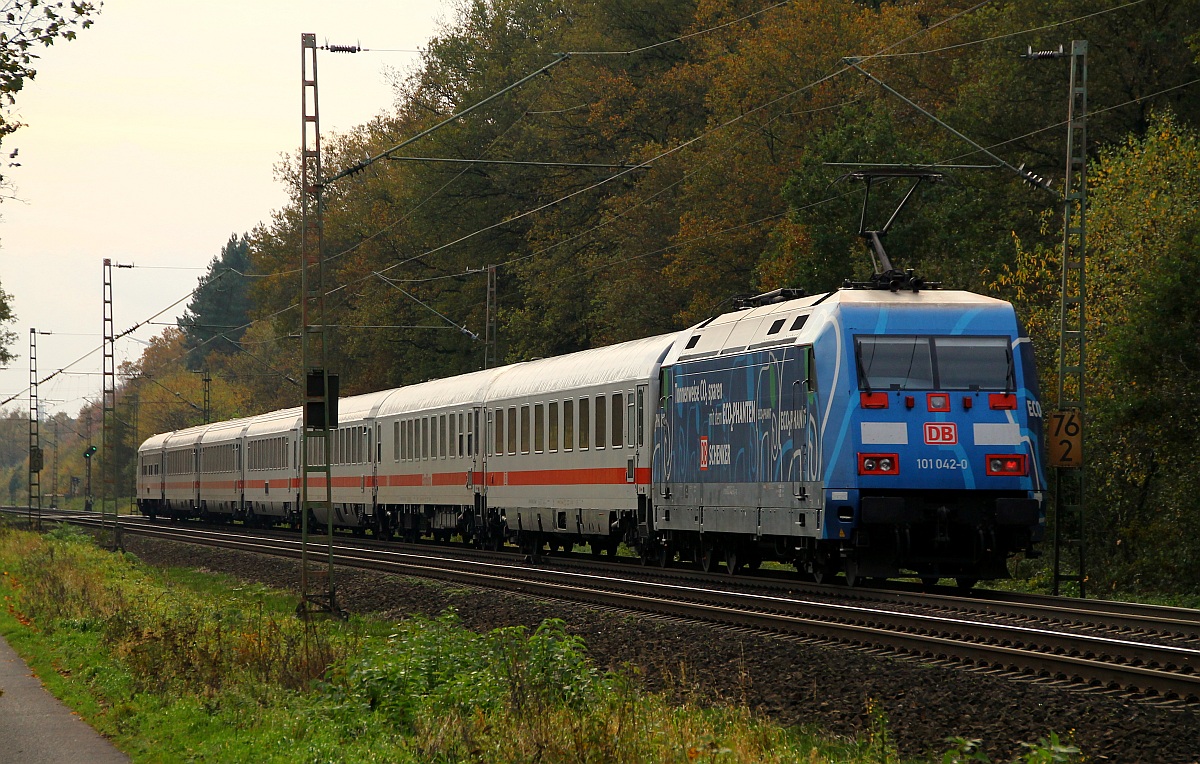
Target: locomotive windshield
[911, 362]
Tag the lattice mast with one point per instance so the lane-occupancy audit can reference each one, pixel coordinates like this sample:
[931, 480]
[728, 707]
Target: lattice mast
[316, 574]
[35, 445]
[1071, 480]
[108, 405]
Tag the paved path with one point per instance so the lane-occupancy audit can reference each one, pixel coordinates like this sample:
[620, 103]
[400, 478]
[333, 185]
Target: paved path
[36, 729]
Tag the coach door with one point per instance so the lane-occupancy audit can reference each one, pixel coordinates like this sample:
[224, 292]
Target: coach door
[805, 455]
[636, 435]
[478, 437]
[376, 456]
[196, 478]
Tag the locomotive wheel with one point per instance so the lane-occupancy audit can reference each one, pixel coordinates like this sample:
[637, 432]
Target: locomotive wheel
[852, 577]
[965, 583]
[595, 548]
[707, 558]
[823, 571]
[665, 556]
[612, 548]
[732, 564]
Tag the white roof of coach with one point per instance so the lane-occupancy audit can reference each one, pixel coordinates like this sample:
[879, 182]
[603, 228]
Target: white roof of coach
[188, 437]
[223, 431]
[359, 407]
[154, 442]
[626, 362]
[463, 390]
[273, 422]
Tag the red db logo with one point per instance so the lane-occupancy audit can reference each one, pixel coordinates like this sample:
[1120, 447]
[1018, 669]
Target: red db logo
[941, 433]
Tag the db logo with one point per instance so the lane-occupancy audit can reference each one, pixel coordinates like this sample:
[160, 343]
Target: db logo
[941, 433]
[703, 452]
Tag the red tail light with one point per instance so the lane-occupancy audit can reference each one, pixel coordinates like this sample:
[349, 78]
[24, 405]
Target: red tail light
[1005, 465]
[873, 400]
[1002, 401]
[878, 464]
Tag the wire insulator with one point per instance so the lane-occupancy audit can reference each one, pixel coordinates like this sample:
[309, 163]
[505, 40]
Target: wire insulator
[344, 48]
[1039, 54]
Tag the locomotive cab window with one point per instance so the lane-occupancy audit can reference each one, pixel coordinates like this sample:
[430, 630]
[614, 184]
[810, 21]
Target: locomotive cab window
[911, 362]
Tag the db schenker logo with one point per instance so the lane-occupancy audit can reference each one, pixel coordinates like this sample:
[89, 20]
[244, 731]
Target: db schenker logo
[941, 434]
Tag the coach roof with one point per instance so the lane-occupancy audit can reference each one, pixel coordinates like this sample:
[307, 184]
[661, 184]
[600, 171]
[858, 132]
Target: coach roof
[615, 364]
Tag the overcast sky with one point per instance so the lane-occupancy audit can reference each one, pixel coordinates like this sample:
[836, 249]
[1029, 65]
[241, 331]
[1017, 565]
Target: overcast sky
[151, 138]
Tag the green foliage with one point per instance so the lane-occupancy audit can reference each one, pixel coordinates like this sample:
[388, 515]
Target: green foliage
[7, 336]
[1049, 750]
[219, 310]
[1145, 234]
[436, 667]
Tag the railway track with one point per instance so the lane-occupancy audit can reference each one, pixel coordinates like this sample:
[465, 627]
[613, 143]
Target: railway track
[1135, 650]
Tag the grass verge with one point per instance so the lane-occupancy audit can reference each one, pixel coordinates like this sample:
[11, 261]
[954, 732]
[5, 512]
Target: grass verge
[180, 666]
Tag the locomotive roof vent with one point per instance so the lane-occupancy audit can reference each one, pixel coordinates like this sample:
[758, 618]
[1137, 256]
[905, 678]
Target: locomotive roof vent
[769, 298]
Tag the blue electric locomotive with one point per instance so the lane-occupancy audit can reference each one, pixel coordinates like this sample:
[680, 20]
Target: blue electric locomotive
[873, 432]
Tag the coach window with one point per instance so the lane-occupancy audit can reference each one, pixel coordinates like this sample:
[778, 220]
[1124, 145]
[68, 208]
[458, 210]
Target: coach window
[539, 427]
[423, 438]
[472, 426]
[585, 424]
[442, 436]
[498, 428]
[568, 425]
[525, 429]
[552, 415]
[618, 419]
[601, 421]
[512, 429]
[456, 437]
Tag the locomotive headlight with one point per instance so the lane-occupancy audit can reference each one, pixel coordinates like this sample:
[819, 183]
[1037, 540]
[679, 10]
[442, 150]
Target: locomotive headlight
[878, 464]
[1010, 465]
